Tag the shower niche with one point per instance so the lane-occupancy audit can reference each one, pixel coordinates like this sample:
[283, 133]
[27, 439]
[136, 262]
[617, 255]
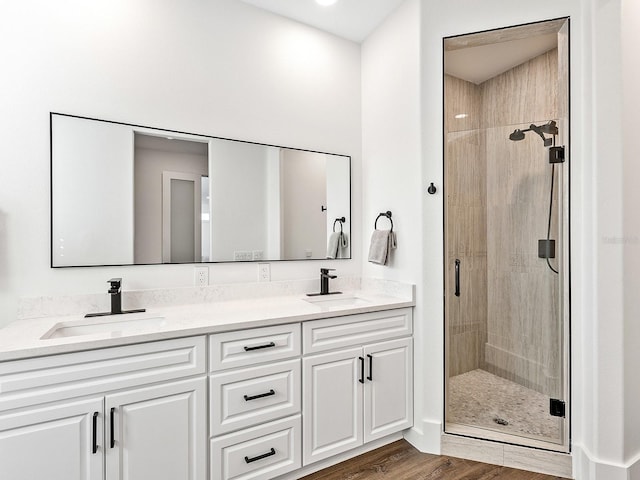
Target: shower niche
[506, 167]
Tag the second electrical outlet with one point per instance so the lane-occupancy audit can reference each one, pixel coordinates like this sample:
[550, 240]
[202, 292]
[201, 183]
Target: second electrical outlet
[201, 276]
[264, 272]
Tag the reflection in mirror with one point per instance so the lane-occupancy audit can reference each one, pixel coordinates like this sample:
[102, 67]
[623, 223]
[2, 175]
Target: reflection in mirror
[124, 194]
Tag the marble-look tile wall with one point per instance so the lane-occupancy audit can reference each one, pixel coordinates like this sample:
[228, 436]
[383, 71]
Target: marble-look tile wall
[506, 319]
[465, 229]
[523, 325]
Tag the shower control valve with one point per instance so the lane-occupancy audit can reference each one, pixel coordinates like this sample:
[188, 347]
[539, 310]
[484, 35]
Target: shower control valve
[556, 155]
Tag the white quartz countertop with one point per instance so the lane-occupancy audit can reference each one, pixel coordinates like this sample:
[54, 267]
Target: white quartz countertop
[23, 338]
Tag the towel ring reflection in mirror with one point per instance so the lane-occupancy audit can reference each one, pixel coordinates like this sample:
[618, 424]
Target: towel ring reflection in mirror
[383, 214]
[341, 220]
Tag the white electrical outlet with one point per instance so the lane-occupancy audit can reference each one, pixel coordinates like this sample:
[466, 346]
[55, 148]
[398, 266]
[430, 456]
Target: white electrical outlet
[264, 272]
[258, 254]
[201, 276]
[243, 255]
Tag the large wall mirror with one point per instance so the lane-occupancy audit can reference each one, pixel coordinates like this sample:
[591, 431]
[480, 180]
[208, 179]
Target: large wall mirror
[123, 194]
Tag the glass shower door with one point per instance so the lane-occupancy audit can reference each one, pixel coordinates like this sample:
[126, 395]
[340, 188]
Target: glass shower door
[506, 245]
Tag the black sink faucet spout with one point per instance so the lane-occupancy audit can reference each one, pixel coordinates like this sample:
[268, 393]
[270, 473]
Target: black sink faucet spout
[115, 290]
[324, 280]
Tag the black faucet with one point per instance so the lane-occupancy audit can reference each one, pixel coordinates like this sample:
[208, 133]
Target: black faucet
[324, 282]
[115, 290]
[116, 295]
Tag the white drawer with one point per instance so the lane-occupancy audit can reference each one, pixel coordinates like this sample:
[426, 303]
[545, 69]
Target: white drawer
[254, 346]
[258, 453]
[247, 397]
[350, 330]
[57, 377]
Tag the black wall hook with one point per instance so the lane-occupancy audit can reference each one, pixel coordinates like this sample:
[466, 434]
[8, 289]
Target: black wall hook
[432, 189]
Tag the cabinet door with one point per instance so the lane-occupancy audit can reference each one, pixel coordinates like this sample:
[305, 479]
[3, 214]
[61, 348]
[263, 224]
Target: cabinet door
[388, 397]
[332, 403]
[53, 442]
[157, 432]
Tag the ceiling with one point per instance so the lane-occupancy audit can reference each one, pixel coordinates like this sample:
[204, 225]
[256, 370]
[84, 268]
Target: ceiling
[480, 63]
[356, 19]
[350, 19]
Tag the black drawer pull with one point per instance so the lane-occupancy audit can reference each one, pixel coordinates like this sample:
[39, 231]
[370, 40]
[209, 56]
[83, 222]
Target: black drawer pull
[361, 379]
[370, 377]
[247, 398]
[260, 347]
[95, 433]
[457, 278]
[260, 457]
[112, 422]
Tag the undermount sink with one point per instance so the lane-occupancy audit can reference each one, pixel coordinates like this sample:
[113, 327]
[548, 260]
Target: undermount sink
[338, 300]
[114, 324]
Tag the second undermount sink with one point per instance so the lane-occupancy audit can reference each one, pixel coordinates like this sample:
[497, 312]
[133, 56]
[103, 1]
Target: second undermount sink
[337, 300]
[113, 324]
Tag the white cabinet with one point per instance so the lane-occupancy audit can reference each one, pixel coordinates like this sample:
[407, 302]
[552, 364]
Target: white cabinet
[278, 397]
[158, 432]
[332, 404]
[258, 453]
[62, 441]
[78, 415]
[388, 398]
[355, 395]
[254, 402]
[249, 396]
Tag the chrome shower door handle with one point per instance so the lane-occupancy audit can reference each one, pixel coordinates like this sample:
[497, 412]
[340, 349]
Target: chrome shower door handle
[457, 269]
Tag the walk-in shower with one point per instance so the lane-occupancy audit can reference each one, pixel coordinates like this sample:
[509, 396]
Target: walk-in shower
[506, 262]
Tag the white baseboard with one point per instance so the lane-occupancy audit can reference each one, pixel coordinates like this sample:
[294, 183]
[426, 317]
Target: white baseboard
[586, 467]
[425, 436]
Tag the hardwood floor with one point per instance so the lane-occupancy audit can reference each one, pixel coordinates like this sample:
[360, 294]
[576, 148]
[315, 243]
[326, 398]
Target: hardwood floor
[400, 461]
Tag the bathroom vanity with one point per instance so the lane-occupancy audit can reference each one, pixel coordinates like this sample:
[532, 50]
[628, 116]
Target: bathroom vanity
[261, 389]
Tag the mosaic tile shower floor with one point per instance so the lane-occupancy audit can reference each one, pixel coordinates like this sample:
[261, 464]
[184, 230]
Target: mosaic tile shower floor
[481, 399]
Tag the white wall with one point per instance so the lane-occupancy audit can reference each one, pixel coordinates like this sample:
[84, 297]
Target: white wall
[392, 180]
[605, 228]
[631, 200]
[220, 67]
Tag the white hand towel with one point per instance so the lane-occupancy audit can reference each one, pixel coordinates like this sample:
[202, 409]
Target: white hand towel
[333, 245]
[382, 242]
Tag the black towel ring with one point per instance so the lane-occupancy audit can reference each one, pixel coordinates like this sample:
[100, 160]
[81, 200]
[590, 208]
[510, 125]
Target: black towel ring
[383, 214]
[341, 220]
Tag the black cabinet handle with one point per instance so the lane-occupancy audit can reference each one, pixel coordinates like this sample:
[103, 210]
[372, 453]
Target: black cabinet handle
[260, 347]
[112, 426]
[247, 398]
[361, 379]
[260, 457]
[457, 293]
[95, 433]
[370, 377]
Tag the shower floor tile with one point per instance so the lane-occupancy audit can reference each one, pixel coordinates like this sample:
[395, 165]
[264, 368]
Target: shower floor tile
[481, 399]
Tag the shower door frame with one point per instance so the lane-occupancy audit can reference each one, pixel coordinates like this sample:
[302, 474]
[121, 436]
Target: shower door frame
[564, 296]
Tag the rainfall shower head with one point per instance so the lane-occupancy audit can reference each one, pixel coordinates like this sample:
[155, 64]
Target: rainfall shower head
[517, 135]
